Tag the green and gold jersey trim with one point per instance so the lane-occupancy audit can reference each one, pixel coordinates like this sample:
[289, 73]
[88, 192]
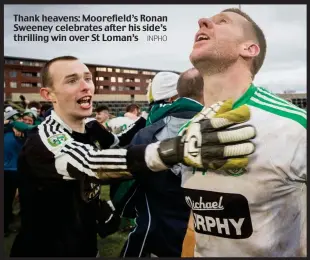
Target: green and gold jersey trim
[265, 100]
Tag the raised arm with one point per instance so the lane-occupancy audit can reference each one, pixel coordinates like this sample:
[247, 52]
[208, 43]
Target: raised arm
[205, 143]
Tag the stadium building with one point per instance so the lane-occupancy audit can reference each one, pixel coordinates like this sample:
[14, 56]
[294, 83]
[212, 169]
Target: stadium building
[115, 87]
[299, 99]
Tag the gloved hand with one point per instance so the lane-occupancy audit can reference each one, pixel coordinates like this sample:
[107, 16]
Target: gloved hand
[99, 136]
[212, 140]
[108, 220]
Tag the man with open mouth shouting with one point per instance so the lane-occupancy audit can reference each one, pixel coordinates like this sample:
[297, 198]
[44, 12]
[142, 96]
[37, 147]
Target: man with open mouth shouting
[60, 171]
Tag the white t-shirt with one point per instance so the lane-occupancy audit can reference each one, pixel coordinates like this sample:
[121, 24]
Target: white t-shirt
[260, 210]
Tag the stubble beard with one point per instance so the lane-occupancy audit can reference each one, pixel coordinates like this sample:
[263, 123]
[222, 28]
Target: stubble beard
[217, 61]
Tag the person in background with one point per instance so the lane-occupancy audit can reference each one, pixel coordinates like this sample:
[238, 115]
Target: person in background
[8, 109]
[132, 112]
[10, 117]
[103, 116]
[24, 101]
[35, 106]
[13, 121]
[120, 124]
[13, 142]
[44, 108]
[165, 83]
[30, 117]
[158, 201]
[149, 96]
[117, 190]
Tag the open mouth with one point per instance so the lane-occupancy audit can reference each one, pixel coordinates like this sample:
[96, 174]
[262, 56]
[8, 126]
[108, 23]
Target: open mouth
[202, 37]
[85, 102]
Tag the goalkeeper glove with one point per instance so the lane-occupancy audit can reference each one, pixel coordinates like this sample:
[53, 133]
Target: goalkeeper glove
[214, 139]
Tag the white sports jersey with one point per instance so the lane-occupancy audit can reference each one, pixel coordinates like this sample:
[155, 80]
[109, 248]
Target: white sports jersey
[260, 210]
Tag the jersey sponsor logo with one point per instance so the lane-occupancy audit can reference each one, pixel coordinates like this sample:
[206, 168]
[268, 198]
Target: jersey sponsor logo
[220, 214]
[201, 205]
[56, 140]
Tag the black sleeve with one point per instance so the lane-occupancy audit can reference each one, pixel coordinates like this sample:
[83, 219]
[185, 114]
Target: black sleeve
[104, 164]
[126, 136]
[136, 158]
[85, 158]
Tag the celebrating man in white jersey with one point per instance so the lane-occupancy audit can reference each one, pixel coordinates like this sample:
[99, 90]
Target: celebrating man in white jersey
[259, 210]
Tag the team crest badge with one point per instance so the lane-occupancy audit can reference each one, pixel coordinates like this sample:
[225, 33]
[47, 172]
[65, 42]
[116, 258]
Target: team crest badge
[56, 140]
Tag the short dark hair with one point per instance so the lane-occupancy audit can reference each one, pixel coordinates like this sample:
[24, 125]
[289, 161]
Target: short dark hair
[260, 37]
[190, 86]
[46, 78]
[35, 104]
[132, 107]
[101, 108]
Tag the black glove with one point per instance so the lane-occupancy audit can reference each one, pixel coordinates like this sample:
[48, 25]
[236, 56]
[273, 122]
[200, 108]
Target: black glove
[100, 136]
[108, 221]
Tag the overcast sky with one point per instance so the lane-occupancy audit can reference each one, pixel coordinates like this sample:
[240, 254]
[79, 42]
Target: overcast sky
[284, 27]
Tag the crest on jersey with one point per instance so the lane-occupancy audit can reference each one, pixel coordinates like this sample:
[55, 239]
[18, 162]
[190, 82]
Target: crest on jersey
[236, 172]
[56, 140]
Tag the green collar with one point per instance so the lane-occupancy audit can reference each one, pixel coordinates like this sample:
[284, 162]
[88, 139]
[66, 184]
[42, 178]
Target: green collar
[245, 97]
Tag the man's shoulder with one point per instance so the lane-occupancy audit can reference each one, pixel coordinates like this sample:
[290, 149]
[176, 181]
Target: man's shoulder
[33, 131]
[33, 146]
[147, 134]
[52, 134]
[182, 115]
[276, 108]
